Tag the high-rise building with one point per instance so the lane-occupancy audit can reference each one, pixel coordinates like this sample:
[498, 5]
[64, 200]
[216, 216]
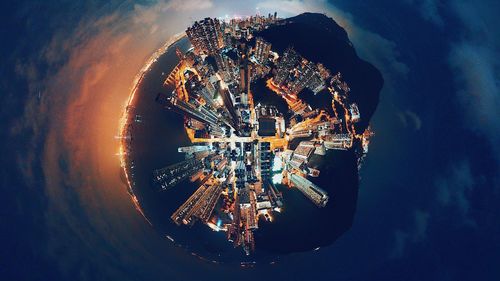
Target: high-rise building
[171, 175]
[244, 73]
[301, 155]
[216, 131]
[286, 63]
[207, 91]
[195, 111]
[193, 148]
[305, 74]
[266, 158]
[194, 124]
[317, 195]
[206, 36]
[228, 38]
[316, 83]
[262, 49]
[225, 66]
[222, 62]
[204, 70]
[244, 83]
[228, 103]
[240, 173]
[200, 204]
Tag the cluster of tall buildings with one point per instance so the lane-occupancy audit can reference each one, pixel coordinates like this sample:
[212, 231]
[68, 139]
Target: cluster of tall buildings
[242, 152]
[262, 50]
[295, 73]
[200, 204]
[206, 36]
[172, 175]
[244, 27]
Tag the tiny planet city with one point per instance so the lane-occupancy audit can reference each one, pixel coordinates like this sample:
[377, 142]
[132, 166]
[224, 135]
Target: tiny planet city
[259, 120]
[178, 140]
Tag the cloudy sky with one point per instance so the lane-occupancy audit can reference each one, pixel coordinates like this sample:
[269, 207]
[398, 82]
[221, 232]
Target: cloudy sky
[428, 201]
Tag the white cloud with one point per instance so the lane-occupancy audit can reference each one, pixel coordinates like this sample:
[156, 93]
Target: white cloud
[416, 233]
[475, 61]
[477, 73]
[454, 188]
[408, 118]
[429, 10]
[189, 5]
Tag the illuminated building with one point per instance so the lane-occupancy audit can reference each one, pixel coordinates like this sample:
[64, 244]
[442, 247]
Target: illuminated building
[240, 149]
[316, 83]
[275, 195]
[338, 141]
[193, 110]
[240, 174]
[266, 158]
[207, 91]
[194, 124]
[323, 71]
[199, 205]
[304, 74]
[354, 111]
[244, 75]
[262, 49]
[286, 63]
[223, 62]
[206, 36]
[228, 103]
[301, 155]
[216, 131]
[307, 76]
[171, 175]
[193, 148]
[317, 195]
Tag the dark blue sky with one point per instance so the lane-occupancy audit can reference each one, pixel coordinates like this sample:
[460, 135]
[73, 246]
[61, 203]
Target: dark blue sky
[428, 201]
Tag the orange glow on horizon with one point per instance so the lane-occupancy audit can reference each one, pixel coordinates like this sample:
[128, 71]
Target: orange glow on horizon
[125, 118]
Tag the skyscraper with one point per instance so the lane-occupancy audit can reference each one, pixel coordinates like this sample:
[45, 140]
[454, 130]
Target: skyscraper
[286, 63]
[244, 74]
[228, 103]
[265, 160]
[244, 81]
[262, 49]
[306, 73]
[206, 36]
[207, 91]
[171, 175]
[223, 63]
[316, 83]
[193, 148]
[198, 112]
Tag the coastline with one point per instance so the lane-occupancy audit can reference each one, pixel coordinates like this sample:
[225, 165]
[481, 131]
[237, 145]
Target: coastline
[125, 120]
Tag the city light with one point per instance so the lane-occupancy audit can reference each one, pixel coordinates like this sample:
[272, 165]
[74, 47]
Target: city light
[242, 153]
